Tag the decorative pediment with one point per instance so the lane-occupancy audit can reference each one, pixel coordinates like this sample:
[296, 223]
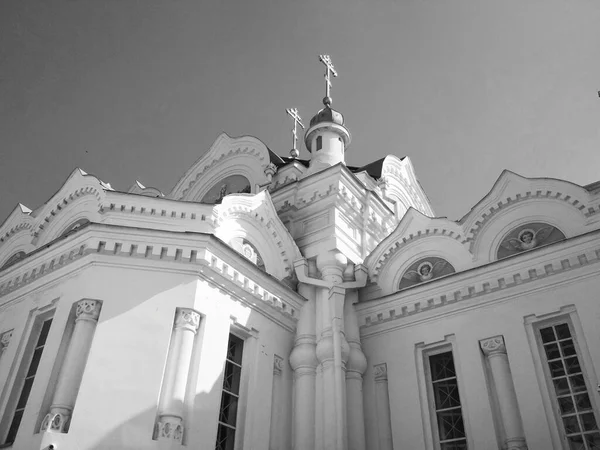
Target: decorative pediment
[245, 156]
[252, 219]
[416, 236]
[514, 201]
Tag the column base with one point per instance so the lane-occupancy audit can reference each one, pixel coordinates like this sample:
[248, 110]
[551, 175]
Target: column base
[515, 444]
[169, 428]
[57, 420]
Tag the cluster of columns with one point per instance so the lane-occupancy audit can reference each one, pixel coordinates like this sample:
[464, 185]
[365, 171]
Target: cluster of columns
[494, 350]
[171, 407]
[328, 361]
[71, 371]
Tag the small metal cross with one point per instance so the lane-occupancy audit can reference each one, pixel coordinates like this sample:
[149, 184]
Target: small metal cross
[329, 70]
[293, 112]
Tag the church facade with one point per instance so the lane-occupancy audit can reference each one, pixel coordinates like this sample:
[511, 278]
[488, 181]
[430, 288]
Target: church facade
[272, 302]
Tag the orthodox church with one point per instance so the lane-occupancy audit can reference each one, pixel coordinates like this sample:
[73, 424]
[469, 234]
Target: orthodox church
[270, 302]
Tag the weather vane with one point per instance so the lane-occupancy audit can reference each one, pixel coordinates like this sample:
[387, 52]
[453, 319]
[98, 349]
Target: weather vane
[329, 70]
[293, 112]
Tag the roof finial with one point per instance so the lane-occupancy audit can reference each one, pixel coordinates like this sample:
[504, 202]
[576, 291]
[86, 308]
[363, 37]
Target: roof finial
[329, 70]
[293, 112]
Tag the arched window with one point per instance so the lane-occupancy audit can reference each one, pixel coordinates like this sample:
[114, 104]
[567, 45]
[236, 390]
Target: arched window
[13, 260]
[425, 269]
[527, 237]
[251, 253]
[319, 142]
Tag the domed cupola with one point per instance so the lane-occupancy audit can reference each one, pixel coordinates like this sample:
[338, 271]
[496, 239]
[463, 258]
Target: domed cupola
[326, 138]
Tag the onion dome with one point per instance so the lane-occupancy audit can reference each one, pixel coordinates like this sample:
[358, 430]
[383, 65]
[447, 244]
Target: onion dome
[327, 114]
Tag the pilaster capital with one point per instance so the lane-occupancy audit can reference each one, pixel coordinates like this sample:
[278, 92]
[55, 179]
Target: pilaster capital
[187, 319]
[277, 365]
[169, 428]
[380, 372]
[88, 310]
[57, 420]
[492, 346]
[5, 340]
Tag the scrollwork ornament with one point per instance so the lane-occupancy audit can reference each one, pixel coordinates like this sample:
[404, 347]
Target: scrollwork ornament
[380, 372]
[188, 319]
[493, 346]
[56, 422]
[5, 340]
[170, 428]
[277, 365]
[88, 310]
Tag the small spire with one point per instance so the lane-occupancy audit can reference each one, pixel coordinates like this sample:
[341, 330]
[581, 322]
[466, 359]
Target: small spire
[329, 70]
[293, 113]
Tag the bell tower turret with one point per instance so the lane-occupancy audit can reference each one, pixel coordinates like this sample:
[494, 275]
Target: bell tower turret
[326, 138]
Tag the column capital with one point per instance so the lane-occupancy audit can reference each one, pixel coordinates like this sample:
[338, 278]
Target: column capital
[5, 340]
[277, 365]
[380, 372]
[169, 428]
[492, 346]
[88, 310]
[188, 319]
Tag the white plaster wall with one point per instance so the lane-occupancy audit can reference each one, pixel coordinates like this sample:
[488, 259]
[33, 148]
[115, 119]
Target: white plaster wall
[503, 317]
[117, 403]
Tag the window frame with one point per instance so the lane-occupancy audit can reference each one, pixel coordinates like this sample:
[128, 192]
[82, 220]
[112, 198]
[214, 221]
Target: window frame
[533, 325]
[428, 412]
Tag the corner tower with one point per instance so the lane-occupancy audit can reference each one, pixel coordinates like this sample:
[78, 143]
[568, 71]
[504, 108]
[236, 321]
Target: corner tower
[326, 138]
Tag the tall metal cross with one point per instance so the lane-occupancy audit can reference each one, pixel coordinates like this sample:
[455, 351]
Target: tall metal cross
[329, 70]
[293, 112]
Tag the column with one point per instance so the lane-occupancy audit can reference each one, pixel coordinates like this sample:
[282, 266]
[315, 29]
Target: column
[71, 372]
[303, 360]
[382, 399]
[494, 350]
[169, 425]
[276, 402]
[355, 368]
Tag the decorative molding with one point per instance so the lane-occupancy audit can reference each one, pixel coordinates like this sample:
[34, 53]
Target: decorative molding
[169, 428]
[493, 346]
[57, 420]
[187, 319]
[88, 310]
[277, 365]
[380, 371]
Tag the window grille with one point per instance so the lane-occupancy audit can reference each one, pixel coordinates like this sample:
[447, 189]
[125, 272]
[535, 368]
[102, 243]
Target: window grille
[230, 395]
[570, 391]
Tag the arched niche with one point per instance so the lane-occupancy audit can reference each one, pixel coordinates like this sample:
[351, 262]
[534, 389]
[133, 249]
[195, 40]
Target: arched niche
[233, 184]
[526, 237]
[425, 269]
[247, 249]
[15, 258]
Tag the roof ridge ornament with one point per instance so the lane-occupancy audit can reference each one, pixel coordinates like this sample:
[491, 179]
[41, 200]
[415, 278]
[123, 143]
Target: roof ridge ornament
[293, 113]
[329, 70]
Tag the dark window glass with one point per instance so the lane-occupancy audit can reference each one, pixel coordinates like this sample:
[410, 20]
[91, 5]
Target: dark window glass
[319, 143]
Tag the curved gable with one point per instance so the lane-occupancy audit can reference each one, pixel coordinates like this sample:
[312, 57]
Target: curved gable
[16, 233]
[253, 218]
[246, 156]
[416, 236]
[515, 201]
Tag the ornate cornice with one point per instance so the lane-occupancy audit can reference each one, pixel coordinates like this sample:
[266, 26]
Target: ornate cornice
[492, 346]
[187, 319]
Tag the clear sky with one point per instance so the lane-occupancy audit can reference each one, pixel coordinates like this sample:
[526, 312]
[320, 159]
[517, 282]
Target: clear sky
[139, 89]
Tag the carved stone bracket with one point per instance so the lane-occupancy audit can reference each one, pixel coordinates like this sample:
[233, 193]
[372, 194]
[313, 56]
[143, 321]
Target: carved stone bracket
[5, 340]
[492, 346]
[57, 420]
[277, 365]
[88, 310]
[188, 319]
[381, 372]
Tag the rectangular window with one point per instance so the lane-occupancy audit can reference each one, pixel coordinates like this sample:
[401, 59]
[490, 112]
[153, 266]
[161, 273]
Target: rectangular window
[446, 402]
[25, 382]
[570, 393]
[230, 395]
